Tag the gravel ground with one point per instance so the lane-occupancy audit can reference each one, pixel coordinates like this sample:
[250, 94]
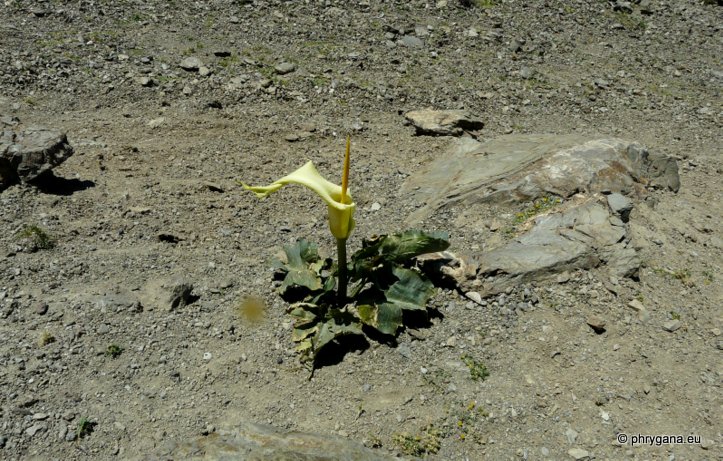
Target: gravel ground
[90, 370]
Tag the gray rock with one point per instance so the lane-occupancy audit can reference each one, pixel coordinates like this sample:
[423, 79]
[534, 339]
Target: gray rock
[579, 237]
[443, 122]
[285, 68]
[410, 41]
[191, 64]
[519, 168]
[571, 435]
[671, 325]
[25, 156]
[35, 428]
[596, 323]
[578, 454]
[118, 302]
[257, 442]
[620, 205]
[146, 81]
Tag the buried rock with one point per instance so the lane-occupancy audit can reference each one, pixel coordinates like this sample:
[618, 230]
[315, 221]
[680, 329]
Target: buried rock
[519, 168]
[249, 441]
[25, 156]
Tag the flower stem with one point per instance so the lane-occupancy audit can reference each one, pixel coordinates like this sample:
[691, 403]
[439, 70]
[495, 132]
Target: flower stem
[341, 253]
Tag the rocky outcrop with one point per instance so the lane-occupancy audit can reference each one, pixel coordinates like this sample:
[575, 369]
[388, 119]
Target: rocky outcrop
[596, 181]
[518, 168]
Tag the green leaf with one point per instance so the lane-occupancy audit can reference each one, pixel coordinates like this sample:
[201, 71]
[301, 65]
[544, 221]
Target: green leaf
[386, 317]
[302, 268]
[339, 324]
[304, 314]
[400, 248]
[410, 292]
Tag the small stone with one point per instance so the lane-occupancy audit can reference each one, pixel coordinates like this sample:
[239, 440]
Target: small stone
[3, 441]
[527, 73]
[474, 296]
[70, 436]
[671, 325]
[204, 71]
[578, 454]
[706, 444]
[715, 331]
[376, 206]
[187, 90]
[571, 435]
[191, 64]
[207, 356]
[451, 342]
[545, 451]
[646, 388]
[41, 308]
[285, 68]
[404, 351]
[596, 323]
[34, 429]
[410, 41]
[620, 205]
[146, 82]
[40, 416]
[156, 122]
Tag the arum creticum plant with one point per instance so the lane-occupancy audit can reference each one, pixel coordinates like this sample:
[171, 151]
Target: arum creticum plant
[382, 277]
[338, 199]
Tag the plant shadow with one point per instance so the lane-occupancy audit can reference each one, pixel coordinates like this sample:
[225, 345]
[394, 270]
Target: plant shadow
[334, 354]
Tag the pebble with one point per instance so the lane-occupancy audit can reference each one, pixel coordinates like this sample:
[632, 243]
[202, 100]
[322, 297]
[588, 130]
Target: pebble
[474, 296]
[411, 41]
[671, 325]
[571, 435]
[596, 323]
[578, 453]
[34, 429]
[156, 122]
[376, 206]
[191, 64]
[207, 356]
[404, 351]
[285, 68]
[3, 441]
[41, 308]
[146, 82]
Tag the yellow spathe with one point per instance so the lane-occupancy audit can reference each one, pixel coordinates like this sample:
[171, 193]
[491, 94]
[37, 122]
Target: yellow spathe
[341, 210]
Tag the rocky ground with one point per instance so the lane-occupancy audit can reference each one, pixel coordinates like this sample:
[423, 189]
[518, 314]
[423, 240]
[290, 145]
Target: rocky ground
[167, 104]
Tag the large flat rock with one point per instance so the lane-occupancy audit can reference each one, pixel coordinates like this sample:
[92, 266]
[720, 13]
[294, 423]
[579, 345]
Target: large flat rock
[518, 168]
[255, 442]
